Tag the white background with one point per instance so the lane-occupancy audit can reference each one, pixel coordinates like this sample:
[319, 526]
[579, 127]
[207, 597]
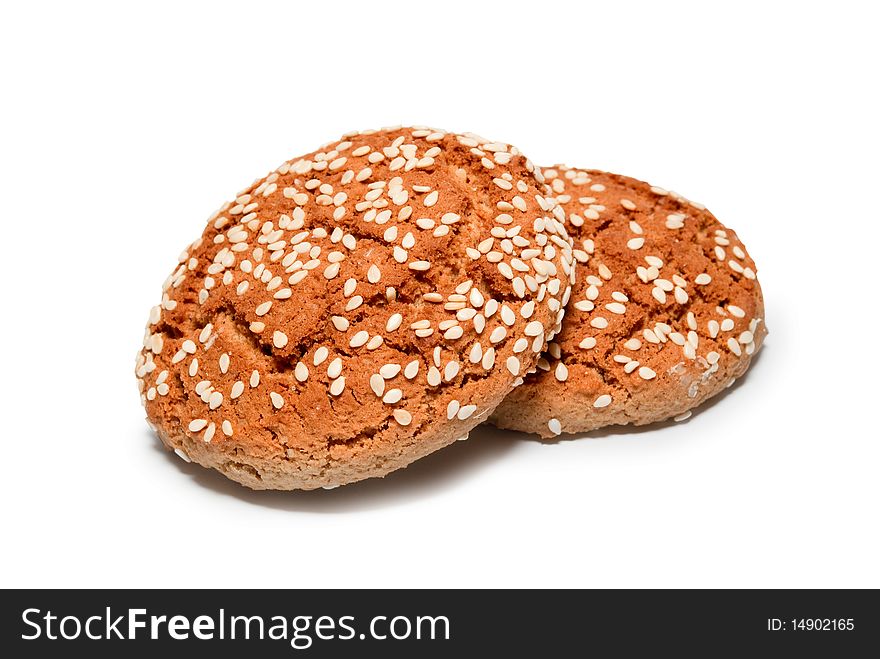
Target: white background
[124, 125]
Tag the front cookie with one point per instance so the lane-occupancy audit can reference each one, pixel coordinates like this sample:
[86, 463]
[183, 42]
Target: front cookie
[356, 309]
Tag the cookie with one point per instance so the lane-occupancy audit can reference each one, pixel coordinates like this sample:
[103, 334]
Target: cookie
[666, 311]
[356, 309]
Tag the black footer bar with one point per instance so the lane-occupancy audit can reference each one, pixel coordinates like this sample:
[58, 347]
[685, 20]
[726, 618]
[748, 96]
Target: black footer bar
[427, 623]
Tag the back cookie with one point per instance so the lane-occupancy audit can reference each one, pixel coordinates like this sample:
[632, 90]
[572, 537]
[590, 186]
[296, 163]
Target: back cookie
[665, 312]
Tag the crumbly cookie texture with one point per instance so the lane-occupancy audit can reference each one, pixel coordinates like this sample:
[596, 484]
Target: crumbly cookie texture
[666, 311]
[356, 309]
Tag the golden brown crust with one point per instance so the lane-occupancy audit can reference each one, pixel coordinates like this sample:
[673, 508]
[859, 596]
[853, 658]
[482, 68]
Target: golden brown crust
[665, 311]
[356, 309]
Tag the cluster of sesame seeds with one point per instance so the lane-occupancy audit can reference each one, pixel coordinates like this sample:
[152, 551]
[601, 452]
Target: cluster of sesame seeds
[664, 318]
[353, 218]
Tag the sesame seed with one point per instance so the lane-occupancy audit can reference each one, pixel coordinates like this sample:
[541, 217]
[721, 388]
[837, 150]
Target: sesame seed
[263, 308]
[505, 269]
[373, 274]
[635, 243]
[675, 221]
[702, 279]
[602, 401]
[279, 339]
[301, 372]
[736, 311]
[297, 277]
[534, 328]
[394, 322]
[476, 353]
[337, 385]
[452, 409]
[255, 379]
[616, 308]
[451, 370]
[340, 323]
[555, 426]
[434, 377]
[453, 333]
[197, 425]
[411, 369]
[646, 373]
[402, 417]
[392, 396]
[466, 411]
[215, 400]
[277, 400]
[209, 432]
[498, 334]
[588, 343]
[188, 347]
[684, 416]
[733, 345]
[599, 322]
[335, 368]
[377, 384]
[627, 204]
[359, 339]
[513, 365]
[561, 372]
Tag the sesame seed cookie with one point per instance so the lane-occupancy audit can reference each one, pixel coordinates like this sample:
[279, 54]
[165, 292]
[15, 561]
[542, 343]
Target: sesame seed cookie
[356, 309]
[666, 311]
